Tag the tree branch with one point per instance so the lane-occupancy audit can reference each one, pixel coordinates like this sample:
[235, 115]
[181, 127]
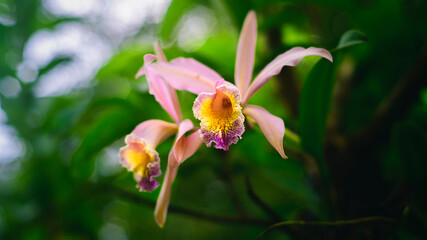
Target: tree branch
[356, 221]
[258, 201]
[226, 176]
[108, 189]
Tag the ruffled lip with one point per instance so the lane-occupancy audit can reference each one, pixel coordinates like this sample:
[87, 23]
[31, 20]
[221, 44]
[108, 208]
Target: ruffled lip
[144, 170]
[221, 116]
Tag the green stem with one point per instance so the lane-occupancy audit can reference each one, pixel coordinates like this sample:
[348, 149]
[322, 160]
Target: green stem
[329, 223]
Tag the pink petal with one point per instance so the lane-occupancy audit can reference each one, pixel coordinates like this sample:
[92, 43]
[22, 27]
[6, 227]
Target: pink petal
[185, 146]
[159, 52]
[289, 58]
[188, 74]
[162, 204]
[163, 93]
[155, 131]
[148, 58]
[139, 157]
[272, 126]
[246, 53]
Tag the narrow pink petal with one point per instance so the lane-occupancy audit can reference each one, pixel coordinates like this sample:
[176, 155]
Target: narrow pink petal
[163, 93]
[148, 58]
[155, 131]
[184, 127]
[188, 74]
[162, 204]
[272, 126]
[159, 52]
[289, 58]
[185, 147]
[246, 53]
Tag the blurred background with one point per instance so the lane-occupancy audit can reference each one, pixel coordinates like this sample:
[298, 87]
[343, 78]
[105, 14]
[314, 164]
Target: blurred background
[68, 97]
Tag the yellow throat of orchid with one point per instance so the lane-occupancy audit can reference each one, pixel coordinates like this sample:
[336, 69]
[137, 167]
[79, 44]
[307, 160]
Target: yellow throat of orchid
[138, 157]
[220, 115]
[219, 112]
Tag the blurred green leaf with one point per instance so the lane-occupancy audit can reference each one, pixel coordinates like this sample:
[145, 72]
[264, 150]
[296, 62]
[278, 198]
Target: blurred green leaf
[314, 106]
[109, 120]
[222, 61]
[351, 38]
[316, 99]
[125, 63]
[175, 12]
[238, 11]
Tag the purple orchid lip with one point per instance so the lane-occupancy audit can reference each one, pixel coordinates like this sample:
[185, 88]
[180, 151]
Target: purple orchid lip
[221, 116]
[141, 159]
[149, 183]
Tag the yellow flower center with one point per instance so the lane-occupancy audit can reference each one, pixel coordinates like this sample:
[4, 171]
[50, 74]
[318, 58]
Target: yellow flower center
[219, 113]
[138, 157]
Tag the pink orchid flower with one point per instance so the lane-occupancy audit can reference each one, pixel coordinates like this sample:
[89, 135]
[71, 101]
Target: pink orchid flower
[139, 155]
[220, 105]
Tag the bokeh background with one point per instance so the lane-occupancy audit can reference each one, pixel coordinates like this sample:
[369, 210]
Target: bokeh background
[68, 97]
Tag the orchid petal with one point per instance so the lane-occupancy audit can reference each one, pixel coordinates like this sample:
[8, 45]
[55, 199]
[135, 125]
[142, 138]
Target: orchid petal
[164, 94]
[188, 74]
[185, 147]
[173, 100]
[246, 53]
[272, 126]
[154, 131]
[162, 204]
[148, 58]
[289, 58]
[159, 52]
[140, 157]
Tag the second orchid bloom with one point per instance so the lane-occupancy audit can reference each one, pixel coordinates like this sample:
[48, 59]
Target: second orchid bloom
[139, 155]
[220, 105]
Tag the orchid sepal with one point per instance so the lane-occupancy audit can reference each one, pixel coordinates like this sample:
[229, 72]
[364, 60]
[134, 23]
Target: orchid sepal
[188, 74]
[185, 146]
[245, 56]
[162, 204]
[164, 94]
[272, 127]
[289, 58]
[155, 131]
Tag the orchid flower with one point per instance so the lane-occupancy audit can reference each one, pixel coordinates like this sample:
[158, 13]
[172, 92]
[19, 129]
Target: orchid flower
[220, 105]
[139, 155]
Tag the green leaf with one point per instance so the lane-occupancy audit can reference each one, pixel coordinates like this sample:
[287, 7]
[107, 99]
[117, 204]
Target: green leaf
[175, 12]
[106, 122]
[219, 52]
[351, 38]
[316, 100]
[314, 106]
[125, 63]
